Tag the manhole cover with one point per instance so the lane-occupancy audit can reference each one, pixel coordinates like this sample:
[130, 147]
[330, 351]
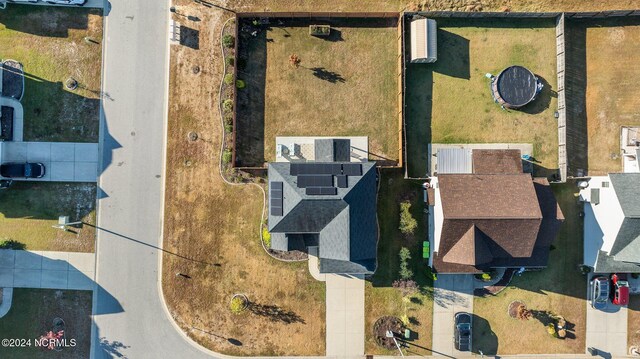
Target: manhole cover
[187, 163]
[71, 83]
[195, 69]
[192, 136]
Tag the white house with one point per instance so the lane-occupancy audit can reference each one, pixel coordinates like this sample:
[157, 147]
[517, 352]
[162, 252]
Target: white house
[612, 223]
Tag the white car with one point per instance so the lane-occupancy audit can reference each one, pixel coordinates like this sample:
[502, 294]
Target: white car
[19, 1]
[67, 2]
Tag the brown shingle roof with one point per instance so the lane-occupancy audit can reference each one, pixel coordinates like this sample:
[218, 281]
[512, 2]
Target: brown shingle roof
[470, 249]
[497, 162]
[488, 196]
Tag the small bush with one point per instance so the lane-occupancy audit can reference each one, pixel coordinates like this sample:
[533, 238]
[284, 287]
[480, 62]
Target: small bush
[404, 319]
[405, 286]
[228, 119]
[486, 277]
[405, 256]
[226, 157]
[230, 61]
[228, 41]
[266, 237]
[240, 84]
[228, 128]
[408, 224]
[228, 79]
[12, 244]
[551, 329]
[227, 105]
[237, 305]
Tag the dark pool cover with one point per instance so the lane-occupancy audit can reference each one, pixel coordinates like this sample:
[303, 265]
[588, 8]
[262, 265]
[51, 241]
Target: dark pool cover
[516, 85]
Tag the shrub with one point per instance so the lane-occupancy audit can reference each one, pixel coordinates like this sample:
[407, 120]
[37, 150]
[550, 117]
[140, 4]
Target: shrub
[227, 105]
[404, 319]
[266, 237]
[230, 61]
[228, 128]
[408, 224]
[405, 256]
[237, 305]
[226, 157]
[561, 334]
[228, 119]
[294, 60]
[523, 313]
[406, 286]
[228, 79]
[240, 84]
[228, 41]
[486, 277]
[551, 329]
[12, 244]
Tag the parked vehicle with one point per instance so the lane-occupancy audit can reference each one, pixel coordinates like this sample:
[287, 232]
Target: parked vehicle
[4, 184]
[620, 289]
[67, 2]
[22, 170]
[462, 331]
[19, 1]
[599, 292]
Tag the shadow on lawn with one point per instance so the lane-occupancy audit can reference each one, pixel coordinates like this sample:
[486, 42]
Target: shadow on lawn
[275, 313]
[45, 21]
[484, 339]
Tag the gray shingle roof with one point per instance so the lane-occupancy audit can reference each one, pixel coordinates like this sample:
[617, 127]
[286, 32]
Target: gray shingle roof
[345, 223]
[627, 187]
[608, 264]
[626, 248]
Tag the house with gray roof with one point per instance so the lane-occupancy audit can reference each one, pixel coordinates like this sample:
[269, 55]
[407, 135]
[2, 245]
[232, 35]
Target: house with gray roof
[612, 223]
[331, 205]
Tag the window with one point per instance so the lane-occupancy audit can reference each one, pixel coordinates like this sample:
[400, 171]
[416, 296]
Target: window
[605, 184]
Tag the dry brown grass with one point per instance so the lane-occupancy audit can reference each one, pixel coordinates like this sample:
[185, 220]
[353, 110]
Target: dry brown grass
[216, 225]
[344, 86]
[613, 83]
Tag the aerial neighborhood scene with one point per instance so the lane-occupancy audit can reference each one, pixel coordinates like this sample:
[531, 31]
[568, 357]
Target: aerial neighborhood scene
[340, 179]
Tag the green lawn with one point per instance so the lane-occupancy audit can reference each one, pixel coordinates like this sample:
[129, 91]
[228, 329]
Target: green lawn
[32, 313]
[450, 101]
[28, 210]
[345, 85]
[560, 289]
[380, 297]
[48, 41]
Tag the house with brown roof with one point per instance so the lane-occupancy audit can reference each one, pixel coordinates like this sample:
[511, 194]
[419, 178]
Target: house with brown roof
[490, 214]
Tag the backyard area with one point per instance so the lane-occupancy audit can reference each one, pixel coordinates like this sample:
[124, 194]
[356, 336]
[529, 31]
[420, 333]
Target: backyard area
[415, 309]
[612, 85]
[55, 44]
[28, 210]
[345, 84]
[559, 289]
[211, 232]
[449, 101]
[32, 314]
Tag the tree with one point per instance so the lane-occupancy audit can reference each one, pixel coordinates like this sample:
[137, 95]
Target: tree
[408, 224]
[523, 313]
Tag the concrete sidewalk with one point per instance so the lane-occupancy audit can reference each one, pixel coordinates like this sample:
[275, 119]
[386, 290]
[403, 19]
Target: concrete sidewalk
[345, 315]
[51, 270]
[453, 293]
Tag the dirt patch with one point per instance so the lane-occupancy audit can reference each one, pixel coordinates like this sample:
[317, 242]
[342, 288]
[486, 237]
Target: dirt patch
[382, 326]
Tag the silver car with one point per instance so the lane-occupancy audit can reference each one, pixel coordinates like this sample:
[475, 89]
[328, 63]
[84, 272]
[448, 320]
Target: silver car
[599, 292]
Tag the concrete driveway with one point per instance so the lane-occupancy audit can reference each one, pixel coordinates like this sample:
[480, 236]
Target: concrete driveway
[607, 329]
[345, 315]
[453, 293]
[63, 161]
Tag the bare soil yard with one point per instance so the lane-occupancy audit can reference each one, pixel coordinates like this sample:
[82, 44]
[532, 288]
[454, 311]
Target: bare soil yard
[558, 289]
[28, 210]
[213, 228]
[50, 43]
[450, 101]
[613, 83]
[345, 85]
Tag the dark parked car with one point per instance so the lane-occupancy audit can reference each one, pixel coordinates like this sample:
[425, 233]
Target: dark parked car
[22, 170]
[620, 290]
[599, 292]
[462, 332]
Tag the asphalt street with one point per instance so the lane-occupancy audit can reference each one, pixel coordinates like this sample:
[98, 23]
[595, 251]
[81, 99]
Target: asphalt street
[129, 317]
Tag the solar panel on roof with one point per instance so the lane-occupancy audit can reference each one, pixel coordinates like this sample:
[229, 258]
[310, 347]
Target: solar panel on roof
[342, 181]
[275, 198]
[314, 181]
[325, 191]
[352, 169]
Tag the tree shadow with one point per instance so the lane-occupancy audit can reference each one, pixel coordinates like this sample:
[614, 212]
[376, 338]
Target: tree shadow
[484, 338]
[275, 313]
[113, 349]
[326, 75]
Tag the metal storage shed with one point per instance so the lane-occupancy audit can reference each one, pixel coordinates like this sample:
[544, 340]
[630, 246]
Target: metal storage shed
[424, 44]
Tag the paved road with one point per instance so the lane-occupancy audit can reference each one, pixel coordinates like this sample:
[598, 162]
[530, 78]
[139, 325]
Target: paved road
[453, 293]
[607, 329]
[129, 316]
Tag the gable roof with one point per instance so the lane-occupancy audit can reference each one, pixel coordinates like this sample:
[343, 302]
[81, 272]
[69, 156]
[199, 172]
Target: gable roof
[627, 187]
[344, 222]
[470, 249]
